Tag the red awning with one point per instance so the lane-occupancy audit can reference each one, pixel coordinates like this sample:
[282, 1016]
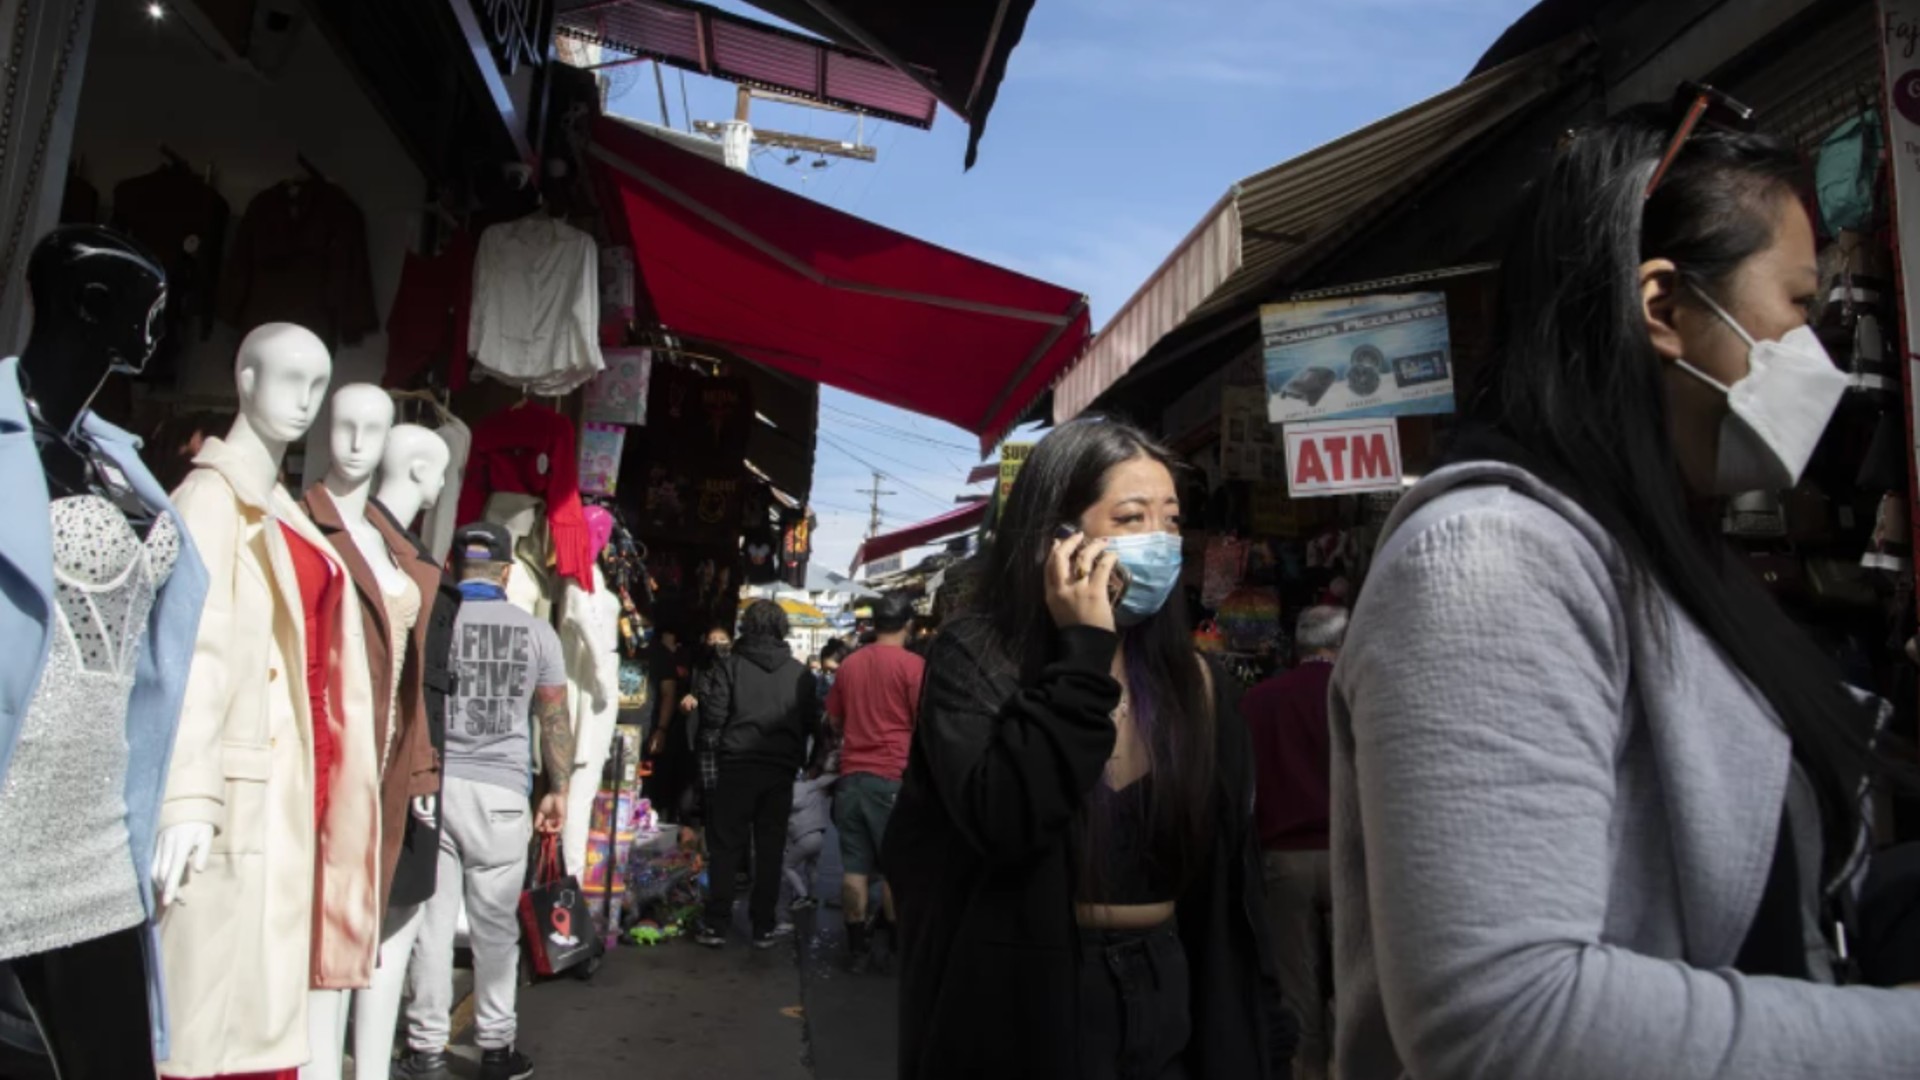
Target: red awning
[951, 523]
[787, 282]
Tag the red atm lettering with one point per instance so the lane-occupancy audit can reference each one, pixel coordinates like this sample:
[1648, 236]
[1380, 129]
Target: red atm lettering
[1360, 457]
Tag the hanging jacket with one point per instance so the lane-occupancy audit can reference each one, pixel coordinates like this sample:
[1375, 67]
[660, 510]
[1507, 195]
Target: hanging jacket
[758, 706]
[530, 449]
[426, 683]
[160, 677]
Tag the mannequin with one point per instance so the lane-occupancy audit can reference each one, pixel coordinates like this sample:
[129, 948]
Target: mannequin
[86, 525]
[267, 878]
[590, 630]
[361, 417]
[525, 517]
[413, 473]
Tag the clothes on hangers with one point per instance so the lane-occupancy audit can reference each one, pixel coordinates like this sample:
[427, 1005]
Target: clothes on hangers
[531, 449]
[431, 314]
[301, 257]
[535, 317]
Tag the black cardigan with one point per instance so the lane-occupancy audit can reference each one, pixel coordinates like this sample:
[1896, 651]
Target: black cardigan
[980, 857]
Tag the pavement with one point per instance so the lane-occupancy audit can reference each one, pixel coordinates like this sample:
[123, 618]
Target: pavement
[677, 1010]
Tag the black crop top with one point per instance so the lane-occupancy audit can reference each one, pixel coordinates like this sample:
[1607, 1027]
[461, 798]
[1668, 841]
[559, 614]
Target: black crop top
[1129, 866]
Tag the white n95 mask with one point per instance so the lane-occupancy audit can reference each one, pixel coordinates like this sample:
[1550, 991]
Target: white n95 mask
[1777, 413]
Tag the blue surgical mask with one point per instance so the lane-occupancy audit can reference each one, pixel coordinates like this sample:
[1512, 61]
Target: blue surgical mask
[1152, 561]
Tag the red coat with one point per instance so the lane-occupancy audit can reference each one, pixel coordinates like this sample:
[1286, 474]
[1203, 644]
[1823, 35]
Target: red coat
[530, 449]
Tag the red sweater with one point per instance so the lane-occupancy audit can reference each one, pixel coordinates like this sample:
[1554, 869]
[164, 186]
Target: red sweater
[1287, 717]
[529, 449]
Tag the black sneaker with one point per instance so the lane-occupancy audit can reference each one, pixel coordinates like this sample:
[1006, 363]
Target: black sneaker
[805, 903]
[505, 1063]
[709, 937]
[419, 1065]
[773, 937]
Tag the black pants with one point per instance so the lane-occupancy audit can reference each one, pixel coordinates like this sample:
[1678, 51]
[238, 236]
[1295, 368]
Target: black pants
[89, 1003]
[750, 807]
[1134, 1020]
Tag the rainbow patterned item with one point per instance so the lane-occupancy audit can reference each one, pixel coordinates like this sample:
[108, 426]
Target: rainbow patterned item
[1249, 616]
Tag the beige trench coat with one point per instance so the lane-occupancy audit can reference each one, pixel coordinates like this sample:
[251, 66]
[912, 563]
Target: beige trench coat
[245, 944]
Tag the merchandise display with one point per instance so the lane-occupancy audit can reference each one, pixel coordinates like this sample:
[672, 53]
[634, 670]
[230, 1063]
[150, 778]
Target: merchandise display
[106, 578]
[590, 633]
[532, 450]
[300, 256]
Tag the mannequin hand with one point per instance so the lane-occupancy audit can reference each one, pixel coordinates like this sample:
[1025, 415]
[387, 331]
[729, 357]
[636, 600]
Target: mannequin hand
[552, 815]
[689, 703]
[178, 848]
[425, 809]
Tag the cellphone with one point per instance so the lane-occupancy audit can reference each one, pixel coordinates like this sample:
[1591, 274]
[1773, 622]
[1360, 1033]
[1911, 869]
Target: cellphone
[1117, 581]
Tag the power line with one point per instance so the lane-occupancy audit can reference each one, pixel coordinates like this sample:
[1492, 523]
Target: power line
[905, 433]
[895, 477]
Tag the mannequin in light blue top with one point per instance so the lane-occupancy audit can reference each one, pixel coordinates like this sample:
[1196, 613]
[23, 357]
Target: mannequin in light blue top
[100, 598]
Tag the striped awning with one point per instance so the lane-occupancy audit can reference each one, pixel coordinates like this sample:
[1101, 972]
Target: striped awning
[1286, 215]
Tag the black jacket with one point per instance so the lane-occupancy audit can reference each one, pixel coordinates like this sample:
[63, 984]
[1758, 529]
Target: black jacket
[758, 706]
[416, 874]
[980, 856]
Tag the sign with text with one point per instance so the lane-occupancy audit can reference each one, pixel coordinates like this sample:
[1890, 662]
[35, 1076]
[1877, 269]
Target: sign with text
[1012, 456]
[882, 567]
[1342, 457]
[1357, 356]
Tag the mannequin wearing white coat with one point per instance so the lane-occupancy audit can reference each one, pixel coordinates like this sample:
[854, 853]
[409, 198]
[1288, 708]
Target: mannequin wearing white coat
[590, 632]
[240, 851]
[413, 473]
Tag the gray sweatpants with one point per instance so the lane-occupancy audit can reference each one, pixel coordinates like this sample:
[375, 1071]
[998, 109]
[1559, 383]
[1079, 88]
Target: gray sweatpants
[483, 858]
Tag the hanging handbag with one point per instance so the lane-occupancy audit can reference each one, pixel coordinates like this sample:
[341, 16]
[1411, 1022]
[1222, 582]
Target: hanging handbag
[554, 916]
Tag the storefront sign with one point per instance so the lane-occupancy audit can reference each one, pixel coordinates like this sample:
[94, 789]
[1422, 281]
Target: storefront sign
[1357, 356]
[882, 567]
[1012, 456]
[1342, 457]
[512, 28]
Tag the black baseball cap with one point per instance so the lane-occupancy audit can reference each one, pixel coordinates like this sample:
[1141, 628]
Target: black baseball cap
[482, 541]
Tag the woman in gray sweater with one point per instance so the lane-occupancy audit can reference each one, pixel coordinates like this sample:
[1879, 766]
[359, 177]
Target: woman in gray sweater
[1596, 800]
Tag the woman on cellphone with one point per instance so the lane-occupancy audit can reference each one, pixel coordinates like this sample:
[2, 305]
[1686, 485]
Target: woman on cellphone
[1072, 852]
[1596, 800]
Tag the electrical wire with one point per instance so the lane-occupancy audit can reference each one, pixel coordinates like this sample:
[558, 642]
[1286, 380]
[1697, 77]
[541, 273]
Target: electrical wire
[905, 433]
[908, 484]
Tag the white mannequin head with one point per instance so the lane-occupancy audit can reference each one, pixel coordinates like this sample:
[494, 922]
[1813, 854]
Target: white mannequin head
[362, 418]
[413, 471]
[281, 372]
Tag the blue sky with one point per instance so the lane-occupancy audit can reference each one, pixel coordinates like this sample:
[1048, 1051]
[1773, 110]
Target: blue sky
[1119, 124]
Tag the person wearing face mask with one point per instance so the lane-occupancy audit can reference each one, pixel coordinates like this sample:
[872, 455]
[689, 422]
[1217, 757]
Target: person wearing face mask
[1596, 800]
[1073, 851]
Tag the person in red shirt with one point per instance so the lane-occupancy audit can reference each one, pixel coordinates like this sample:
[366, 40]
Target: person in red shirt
[872, 706]
[1287, 718]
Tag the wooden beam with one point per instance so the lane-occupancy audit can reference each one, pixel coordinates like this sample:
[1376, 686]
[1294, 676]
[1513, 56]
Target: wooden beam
[805, 144]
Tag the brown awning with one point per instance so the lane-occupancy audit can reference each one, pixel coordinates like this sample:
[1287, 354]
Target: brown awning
[1291, 212]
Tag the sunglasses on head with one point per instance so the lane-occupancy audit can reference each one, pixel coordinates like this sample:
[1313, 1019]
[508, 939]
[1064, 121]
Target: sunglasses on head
[1693, 103]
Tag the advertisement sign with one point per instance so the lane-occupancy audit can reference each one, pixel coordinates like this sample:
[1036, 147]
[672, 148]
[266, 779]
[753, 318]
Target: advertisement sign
[1357, 356]
[618, 395]
[882, 567]
[1012, 456]
[600, 449]
[1342, 457]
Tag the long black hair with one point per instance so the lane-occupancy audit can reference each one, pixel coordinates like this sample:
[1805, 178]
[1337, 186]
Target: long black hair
[1574, 390]
[1064, 476]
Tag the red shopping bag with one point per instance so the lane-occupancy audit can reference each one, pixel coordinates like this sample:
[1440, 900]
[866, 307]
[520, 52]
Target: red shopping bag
[554, 915]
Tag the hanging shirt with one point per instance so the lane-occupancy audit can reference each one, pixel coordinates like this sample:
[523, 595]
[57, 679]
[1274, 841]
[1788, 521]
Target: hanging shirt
[530, 449]
[536, 305]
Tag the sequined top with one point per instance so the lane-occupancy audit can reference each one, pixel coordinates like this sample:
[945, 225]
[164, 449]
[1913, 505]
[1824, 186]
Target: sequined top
[65, 865]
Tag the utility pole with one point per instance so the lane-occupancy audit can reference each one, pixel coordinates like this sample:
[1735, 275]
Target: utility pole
[873, 523]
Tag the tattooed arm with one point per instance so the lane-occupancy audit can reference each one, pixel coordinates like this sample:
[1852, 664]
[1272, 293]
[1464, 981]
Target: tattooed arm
[550, 719]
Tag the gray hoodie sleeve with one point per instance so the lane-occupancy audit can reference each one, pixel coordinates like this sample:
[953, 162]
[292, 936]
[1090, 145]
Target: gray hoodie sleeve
[1478, 714]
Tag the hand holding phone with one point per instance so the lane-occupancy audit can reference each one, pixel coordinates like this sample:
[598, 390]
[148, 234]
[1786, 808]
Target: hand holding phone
[1084, 580]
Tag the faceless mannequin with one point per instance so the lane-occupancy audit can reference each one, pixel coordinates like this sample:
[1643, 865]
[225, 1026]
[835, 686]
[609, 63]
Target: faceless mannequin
[362, 418]
[98, 300]
[281, 373]
[413, 471]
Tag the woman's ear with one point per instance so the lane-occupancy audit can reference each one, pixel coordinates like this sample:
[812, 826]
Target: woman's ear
[1659, 295]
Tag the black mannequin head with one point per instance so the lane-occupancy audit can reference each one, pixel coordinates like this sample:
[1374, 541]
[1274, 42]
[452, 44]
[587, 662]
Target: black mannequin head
[98, 298]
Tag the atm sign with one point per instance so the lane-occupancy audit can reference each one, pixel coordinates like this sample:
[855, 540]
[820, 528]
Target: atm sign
[1342, 457]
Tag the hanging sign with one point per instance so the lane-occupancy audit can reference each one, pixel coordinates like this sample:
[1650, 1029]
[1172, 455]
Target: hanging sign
[1357, 356]
[1012, 456]
[618, 395]
[1342, 457]
[882, 567]
[600, 449]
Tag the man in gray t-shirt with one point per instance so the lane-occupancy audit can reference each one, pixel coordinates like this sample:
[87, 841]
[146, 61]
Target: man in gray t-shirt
[512, 682]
